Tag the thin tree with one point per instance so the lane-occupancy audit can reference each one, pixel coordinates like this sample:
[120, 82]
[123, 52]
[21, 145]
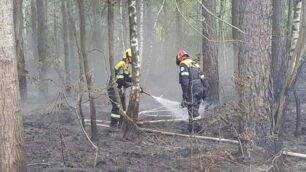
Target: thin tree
[133, 108]
[178, 41]
[209, 51]
[110, 27]
[123, 23]
[236, 22]
[88, 75]
[11, 129]
[278, 44]
[66, 46]
[95, 26]
[34, 28]
[42, 37]
[18, 23]
[71, 32]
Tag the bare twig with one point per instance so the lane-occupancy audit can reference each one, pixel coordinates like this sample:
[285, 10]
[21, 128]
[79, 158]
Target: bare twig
[218, 18]
[74, 109]
[159, 11]
[197, 30]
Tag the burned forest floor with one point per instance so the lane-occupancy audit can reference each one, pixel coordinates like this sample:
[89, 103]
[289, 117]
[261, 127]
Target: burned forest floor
[55, 142]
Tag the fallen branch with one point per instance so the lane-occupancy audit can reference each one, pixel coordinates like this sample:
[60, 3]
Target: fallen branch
[36, 164]
[143, 122]
[72, 169]
[161, 120]
[287, 153]
[177, 134]
[294, 154]
[189, 136]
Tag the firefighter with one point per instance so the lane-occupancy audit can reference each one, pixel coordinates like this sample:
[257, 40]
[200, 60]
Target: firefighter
[191, 79]
[123, 80]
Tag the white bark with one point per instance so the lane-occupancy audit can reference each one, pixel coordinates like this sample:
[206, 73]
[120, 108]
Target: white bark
[141, 28]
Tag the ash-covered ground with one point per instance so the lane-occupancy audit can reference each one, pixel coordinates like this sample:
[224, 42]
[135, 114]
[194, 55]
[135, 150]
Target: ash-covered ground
[55, 142]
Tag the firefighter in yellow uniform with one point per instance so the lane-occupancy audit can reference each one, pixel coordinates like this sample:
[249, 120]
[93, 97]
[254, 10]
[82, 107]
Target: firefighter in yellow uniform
[123, 80]
[192, 81]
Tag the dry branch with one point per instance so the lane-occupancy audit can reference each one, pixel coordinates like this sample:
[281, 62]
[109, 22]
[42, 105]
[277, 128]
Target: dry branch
[294, 154]
[177, 134]
[288, 153]
[143, 122]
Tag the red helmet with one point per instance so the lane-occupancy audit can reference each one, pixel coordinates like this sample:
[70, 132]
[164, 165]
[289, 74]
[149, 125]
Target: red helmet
[180, 56]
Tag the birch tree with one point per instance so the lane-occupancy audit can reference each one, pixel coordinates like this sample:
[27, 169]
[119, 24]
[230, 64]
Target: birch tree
[133, 108]
[297, 57]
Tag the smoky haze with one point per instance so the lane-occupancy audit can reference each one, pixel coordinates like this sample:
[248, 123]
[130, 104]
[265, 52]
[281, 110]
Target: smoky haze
[159, 73]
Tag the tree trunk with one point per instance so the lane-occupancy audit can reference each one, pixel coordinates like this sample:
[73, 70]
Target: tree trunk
[19, 26]
[221, 15]
[73, 38]
[122, 23]
[164, 45]
[71, 35]
[11, 129]
[236, 22]
[42, 47]
[297, 51]
[254, 80]
[141, 27]
[133, 108]
[209, 52]
[178, 40]
[110, 22]
[34, 29]
[278, 44]
[95, 27]
[236, 18]
[66, 47]
[298, 114]
[88, 75]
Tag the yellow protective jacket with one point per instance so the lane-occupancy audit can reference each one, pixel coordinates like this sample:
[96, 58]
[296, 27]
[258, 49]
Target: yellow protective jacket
[122, 74]
[190, 70]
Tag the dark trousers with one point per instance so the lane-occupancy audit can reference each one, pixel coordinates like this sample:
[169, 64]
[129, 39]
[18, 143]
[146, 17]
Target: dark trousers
[195, 95]
[115, 112]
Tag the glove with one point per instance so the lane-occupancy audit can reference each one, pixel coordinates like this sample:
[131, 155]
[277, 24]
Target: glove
[184, 103]
[127, 84]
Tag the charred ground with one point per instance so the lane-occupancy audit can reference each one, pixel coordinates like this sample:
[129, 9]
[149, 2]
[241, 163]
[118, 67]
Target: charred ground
[55, 142]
